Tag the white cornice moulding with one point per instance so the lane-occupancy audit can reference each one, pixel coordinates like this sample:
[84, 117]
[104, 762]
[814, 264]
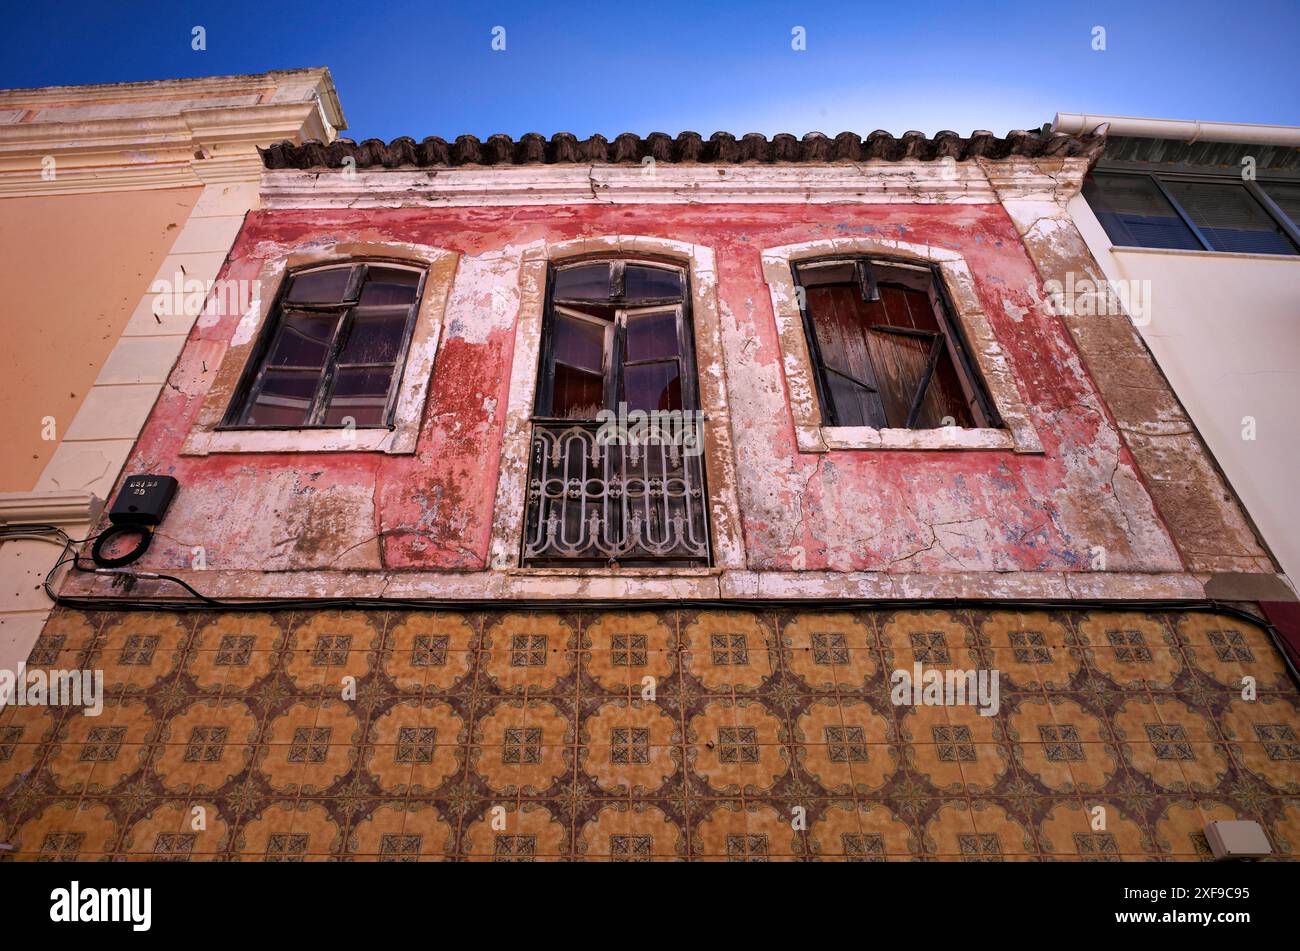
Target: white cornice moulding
[876, 182]
[58, 507]
[150, 89]
[194, 147]
[245, 124]
[313, 85]
[801, 183]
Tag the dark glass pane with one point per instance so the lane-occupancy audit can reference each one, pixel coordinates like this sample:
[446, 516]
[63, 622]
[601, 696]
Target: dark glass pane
[1286, 197]
[320, 287]
[304, 340]
[652, 336]
[375, 337]
[1136, 213]
[1230, 217]
[650, 283]
[579, 394]
[580, 343]
[652, 386]
[285, 399]
[588, 282]
[361, 395]
[389, 287]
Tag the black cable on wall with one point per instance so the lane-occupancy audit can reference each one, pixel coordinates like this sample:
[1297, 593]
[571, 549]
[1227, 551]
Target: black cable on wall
[201, 602]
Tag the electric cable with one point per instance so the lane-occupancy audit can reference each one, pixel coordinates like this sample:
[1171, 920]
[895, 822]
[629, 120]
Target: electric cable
[202, 602]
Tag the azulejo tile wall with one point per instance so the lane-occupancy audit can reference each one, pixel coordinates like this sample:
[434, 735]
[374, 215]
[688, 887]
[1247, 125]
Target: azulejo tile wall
[769, 735]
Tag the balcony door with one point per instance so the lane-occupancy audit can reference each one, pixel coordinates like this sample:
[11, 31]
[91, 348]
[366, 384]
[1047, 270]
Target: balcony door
[616, 338]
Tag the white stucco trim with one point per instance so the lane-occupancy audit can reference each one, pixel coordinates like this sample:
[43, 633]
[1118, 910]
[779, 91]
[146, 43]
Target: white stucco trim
[848, 183]
[1018, 435]
[684, 585]
[53, 507]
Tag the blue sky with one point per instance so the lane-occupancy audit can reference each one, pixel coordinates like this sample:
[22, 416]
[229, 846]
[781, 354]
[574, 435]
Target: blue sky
[427, 68]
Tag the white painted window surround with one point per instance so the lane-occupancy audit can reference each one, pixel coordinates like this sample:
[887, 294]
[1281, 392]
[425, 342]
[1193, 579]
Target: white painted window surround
[205, 437]
[719, 458]
[1018, 434]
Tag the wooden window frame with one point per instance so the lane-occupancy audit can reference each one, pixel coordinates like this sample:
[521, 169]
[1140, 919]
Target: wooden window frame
[613, 484]
[868, 274]
[254, 373]
[616, 348]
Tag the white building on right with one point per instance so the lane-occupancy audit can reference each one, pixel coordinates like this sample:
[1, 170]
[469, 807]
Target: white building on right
[1204, 218]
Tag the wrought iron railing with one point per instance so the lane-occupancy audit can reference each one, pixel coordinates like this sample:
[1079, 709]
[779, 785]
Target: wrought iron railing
[618, 503]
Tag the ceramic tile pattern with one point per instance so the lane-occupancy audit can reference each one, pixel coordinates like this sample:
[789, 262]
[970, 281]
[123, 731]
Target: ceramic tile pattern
[526, 736]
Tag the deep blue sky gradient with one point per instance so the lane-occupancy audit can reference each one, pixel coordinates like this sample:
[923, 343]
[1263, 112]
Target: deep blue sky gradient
[426, 68]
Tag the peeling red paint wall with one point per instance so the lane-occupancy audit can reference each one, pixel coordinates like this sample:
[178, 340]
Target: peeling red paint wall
[847, 510]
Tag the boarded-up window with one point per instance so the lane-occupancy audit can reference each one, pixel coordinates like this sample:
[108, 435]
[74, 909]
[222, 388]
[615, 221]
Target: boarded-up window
[885, 351]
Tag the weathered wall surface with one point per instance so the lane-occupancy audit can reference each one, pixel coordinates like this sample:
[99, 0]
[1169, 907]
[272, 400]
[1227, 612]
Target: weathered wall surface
[1223, 328]
[915, 511]
[1203, 517]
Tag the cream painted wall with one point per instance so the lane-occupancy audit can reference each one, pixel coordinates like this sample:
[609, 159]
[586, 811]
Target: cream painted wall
[73, 269]
[1225, 329]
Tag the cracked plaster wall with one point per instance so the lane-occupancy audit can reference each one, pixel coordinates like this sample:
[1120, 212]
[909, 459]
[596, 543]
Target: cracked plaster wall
[847, 510]
[1201, 513]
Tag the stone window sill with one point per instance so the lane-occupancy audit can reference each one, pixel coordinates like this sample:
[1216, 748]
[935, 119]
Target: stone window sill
[642, 571]
[832, 438]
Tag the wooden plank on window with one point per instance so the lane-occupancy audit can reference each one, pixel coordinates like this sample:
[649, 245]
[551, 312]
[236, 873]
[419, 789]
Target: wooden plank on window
[900, 361]
[837, 313]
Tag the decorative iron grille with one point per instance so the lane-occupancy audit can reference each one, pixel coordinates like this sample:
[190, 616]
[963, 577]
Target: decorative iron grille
[590, 503]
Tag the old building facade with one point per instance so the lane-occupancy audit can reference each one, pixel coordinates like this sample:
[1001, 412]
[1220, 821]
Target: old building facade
[435, 589]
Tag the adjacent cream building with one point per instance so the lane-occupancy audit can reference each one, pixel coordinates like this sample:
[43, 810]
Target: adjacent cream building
[105, 191]
[1199, 223]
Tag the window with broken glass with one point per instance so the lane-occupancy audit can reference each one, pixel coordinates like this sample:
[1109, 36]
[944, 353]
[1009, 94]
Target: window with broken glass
[332, 351]
[885, 350]
[616, 472]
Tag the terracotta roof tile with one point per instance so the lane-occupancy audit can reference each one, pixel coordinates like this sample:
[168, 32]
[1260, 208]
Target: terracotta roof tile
[721, 147]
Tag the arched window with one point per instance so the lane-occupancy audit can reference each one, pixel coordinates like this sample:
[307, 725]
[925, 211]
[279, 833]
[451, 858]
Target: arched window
[616, 332]
[332, 353]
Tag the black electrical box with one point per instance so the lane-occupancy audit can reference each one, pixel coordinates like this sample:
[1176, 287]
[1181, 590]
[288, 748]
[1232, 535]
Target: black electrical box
[142, 500]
